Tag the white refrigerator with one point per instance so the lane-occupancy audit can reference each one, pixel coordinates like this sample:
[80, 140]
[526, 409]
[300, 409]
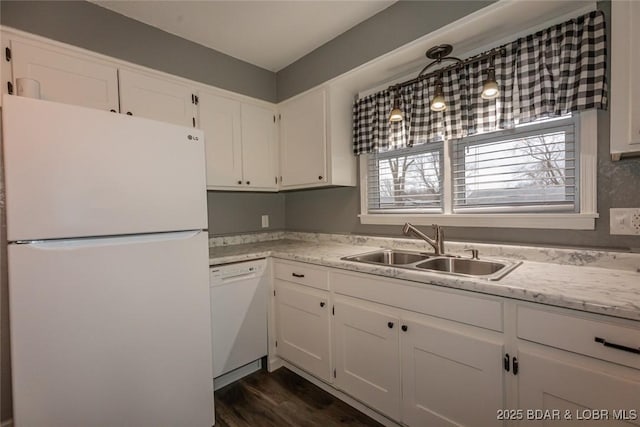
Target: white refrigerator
[108, 268]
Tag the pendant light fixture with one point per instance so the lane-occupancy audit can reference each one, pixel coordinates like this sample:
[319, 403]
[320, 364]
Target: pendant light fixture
[490, 89]
[438, 103]
[396, 113]
[439, 54]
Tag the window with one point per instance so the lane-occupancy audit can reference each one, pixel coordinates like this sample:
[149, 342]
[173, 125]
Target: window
[530, 169]
[408, 180]
[538, 175]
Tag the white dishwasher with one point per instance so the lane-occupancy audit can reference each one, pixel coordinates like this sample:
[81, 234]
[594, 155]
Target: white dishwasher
[238, 319]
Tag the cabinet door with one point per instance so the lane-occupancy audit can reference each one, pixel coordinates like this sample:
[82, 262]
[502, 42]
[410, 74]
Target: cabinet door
[154, 98]
[367, 356]
[302, 322]
[577, 387]
[303, 140]
[66, 77]
[258, 147]
[220, 121]
[450, 377]
[625, 85]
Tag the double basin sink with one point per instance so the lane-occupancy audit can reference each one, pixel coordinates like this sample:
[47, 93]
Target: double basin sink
[417, 261]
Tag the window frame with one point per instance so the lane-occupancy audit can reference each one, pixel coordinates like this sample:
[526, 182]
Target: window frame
[586, 143]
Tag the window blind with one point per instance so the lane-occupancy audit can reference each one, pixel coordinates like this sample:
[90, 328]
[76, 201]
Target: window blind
[406, 180]
[530, 168]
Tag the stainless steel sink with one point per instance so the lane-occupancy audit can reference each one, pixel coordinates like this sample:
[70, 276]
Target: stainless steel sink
[417, 261]
[472, 267]
[389, 257]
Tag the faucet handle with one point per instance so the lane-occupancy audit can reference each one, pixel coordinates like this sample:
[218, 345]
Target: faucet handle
[474, 253]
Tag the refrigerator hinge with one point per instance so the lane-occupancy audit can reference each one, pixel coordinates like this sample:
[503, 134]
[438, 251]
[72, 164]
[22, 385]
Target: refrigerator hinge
[10, 88]
[7, 54]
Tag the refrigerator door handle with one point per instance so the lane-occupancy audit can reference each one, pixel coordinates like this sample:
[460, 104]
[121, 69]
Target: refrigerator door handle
[70, 244]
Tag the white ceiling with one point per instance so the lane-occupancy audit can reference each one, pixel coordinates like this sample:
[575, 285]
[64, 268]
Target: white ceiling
[269, 34]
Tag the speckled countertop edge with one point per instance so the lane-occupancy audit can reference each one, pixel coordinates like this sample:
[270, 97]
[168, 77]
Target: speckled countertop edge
[586, 288]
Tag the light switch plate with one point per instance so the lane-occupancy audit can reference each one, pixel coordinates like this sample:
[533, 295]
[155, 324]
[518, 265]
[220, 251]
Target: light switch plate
[624, 221]
[265, 221]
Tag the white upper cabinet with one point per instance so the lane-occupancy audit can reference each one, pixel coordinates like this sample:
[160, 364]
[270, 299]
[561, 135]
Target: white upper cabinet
[259, 147]
[303, 140]
[220, 120]
[156, 98]
[315, 140]
[625, 84]
[64, 76]
[240, 144]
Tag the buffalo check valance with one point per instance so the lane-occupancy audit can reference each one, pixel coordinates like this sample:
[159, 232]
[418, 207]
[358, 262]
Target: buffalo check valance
[555, 71]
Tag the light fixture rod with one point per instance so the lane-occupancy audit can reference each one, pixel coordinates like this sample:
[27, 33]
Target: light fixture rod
[491, 54]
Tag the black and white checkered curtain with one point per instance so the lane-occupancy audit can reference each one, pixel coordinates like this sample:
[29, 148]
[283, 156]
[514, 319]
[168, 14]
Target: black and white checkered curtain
[550, 73]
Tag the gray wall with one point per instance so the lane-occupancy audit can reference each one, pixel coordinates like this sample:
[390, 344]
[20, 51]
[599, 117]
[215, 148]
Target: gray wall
[241, 212]
[100, 30]
[334, 210]
[391, 28]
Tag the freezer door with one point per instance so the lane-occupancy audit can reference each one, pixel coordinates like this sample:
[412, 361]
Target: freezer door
[73, 172]
[112, 332]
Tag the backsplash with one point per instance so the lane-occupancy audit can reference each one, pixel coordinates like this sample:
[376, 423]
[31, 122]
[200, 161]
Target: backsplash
[578, 257]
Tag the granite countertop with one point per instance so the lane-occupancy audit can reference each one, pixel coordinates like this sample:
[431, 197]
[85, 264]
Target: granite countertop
[614, 292]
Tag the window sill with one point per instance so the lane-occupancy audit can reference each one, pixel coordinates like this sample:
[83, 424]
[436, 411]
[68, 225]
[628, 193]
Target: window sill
[566, 221]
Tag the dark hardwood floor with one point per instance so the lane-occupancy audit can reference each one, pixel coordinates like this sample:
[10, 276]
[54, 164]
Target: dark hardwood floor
[280, 399]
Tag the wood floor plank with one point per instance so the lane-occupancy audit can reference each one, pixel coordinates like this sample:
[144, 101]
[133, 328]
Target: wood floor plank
[282, 399]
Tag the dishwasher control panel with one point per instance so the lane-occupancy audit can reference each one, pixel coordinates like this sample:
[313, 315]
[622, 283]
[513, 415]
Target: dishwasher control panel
[226, 271]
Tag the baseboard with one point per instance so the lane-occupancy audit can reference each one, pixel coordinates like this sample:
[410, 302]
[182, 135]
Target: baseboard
[342, 396]
[235, 375]
[7, 423]
[274, 363]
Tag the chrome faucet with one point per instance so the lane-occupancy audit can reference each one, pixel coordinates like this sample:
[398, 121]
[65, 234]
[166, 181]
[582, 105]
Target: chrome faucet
[438, 239]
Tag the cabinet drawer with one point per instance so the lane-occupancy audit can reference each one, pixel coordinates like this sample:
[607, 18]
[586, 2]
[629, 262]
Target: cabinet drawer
[304, 274]
[463, 307]
[596, 337]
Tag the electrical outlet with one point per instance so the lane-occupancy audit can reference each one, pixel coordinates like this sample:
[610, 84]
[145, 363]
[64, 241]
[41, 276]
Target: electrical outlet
[265, 221]
[624, 221]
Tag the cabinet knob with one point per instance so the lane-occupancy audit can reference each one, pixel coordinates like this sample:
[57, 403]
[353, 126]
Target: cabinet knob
[404, 328]
[322, 304]
[129, 113]
[248, 182]
[112, 110]
[320, 177]
[239, 182]
[390, 325]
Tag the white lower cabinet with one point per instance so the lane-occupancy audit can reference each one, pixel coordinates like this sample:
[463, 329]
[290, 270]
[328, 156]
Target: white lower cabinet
[302, 324]
[452, 363]
[568, 389]
[452, 375]
[367, 354]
